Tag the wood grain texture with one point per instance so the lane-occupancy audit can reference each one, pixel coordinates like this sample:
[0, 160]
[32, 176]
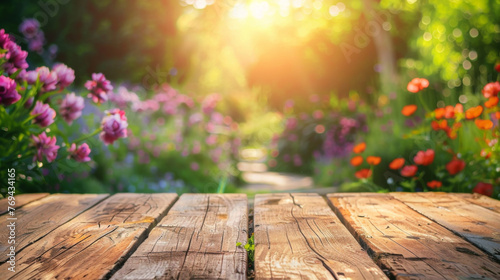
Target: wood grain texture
[408, 244]
[475, 223]
[298, 236]
[38, 218]
[196, 240]
[21, 200]
[481, 200]
[93, 244]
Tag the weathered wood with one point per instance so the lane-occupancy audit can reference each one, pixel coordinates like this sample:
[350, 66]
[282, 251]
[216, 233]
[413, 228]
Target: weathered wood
[408, 244]
[481, 200]
[299, 236]
[40, 217]
[93, 244]
[475, 223]
[196, 240]
[21, 200]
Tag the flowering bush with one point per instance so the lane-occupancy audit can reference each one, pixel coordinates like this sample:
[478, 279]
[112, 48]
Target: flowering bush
[462, 153]
[313, 136]
[32, 134]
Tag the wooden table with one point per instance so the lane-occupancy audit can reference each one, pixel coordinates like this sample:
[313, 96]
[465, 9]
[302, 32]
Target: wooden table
[194, 236]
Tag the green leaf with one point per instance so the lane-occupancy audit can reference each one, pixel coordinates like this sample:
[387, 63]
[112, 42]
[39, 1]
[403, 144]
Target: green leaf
[238, 243]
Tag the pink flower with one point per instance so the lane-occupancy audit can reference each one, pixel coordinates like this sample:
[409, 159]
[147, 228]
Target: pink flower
[211, 140]
[48, 78]
[491, 89]
[114, 126]
[417, 85]
[99, 88]
[29, 27]
[291, 123]
[28, 76]
[80, 153]
[8, 92]
[15, 56]
[44, 114]
[4, 38]
[65, 75]
[46, 146]
[318, 114]
[194, 166]
[71, 107]
[209, 103]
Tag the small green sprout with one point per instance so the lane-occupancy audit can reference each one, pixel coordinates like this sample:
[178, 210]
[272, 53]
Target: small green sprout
[249, 247]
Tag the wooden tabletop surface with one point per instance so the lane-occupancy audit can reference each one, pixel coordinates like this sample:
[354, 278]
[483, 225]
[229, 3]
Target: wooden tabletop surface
[297, 236]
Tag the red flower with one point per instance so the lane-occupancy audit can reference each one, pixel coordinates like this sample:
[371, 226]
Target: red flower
[483, 124]
[449, 112]
[491, 89]
[434, 184]
[497, 67]
[483, 188]
[455, 166]
[409, 171]
[373, 160]
[409, 110]
[397, 163]
[359, 148]
[473, 112]
[357, 160]
[417, 85]
[492, 102]
[363, 173]
[424, 158]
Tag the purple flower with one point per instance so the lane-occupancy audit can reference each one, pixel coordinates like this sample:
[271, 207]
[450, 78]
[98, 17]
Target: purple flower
[46, 146]
[16, 58]
[8, 92]
[80, 153]
[71, 107]
[36, 43]
[114, 126]
[99, 88]
[48, 78]
[29, 27]
[44, 114]
[28, 76]
[65, 75]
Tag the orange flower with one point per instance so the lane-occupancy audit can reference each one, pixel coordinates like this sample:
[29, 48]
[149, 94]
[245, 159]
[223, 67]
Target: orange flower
[424, 158]
[497, 115]
[435, 125]
[473, 112]
[373, 160]
[357, 160]
[409, 171]
[434, 184]
[492, 102]
[359, 148]
[483, 124]
[439, 113]
[491, 89]
[485, 154]
[459, 108]
[455, 166]
[363, 173]
[408, 110]
[417, 85]
[397, 163]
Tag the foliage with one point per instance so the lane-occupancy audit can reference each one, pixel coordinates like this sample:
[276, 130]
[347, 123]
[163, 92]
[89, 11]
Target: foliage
[250, 248]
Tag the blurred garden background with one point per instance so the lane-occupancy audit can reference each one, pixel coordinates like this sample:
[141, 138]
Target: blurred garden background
[214, 95]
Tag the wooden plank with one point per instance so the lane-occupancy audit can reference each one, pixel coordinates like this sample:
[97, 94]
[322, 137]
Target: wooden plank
[299, 236]
[481, 200]
[93, 244]
[196, 240]
[408, 244]
[21, 200]
[475, 223]
[40, 217]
